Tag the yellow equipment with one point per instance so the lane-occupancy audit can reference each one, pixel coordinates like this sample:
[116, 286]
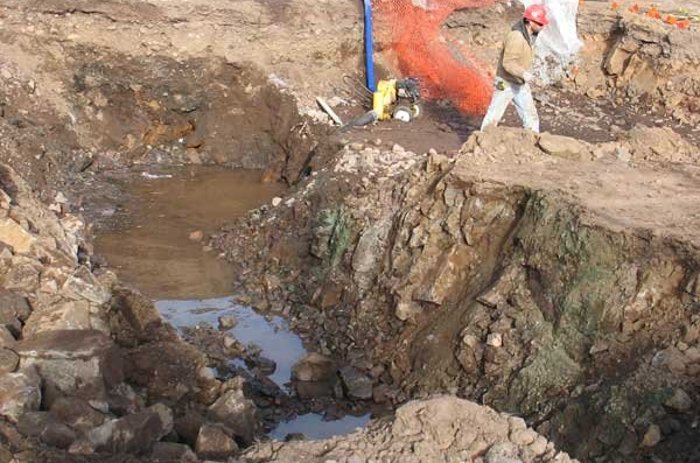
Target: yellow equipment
[397, 99]
[393, 99]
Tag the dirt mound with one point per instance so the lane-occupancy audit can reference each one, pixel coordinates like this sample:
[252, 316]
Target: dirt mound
[440, 429]
[659, 144]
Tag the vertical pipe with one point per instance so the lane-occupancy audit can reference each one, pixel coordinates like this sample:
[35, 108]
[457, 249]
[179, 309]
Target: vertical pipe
[369, 47]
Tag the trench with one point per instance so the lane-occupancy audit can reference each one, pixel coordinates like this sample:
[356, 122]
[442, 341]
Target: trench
[156, 242]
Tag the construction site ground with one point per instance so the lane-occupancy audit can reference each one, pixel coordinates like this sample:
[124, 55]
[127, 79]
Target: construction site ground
[193, 256]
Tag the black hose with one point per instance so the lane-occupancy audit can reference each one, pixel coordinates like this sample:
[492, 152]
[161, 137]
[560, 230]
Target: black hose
[364, 119]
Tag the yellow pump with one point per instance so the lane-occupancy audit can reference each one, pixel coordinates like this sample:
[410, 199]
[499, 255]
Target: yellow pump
[384, 98]
[397, 99]
[393, 99]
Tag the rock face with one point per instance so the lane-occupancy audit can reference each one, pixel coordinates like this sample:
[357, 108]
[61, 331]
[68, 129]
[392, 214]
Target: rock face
[440, 429]
[70, 352]
[515, 273]
[644, 58]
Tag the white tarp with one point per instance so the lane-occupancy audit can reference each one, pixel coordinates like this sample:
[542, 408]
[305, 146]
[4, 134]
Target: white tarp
[558, 43]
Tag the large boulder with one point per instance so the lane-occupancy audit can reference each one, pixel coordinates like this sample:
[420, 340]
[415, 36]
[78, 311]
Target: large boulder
[565, 147]
[82, 285]
[135, 433]
[63, 315]
[46, 428]
[76, 413]
[237, 412]
[7, 339]
[313, 367]
[79, 363]
[13, 305]
[214, 443]
[314, 376]
[167, 452]
[19, 392]
[14, 309]
[13, 234]
[23, 274]
[356, 384]
[8, 361]
[138, 319]
[170, 371]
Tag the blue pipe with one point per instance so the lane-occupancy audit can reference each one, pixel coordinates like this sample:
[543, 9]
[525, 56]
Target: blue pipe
[369, 47]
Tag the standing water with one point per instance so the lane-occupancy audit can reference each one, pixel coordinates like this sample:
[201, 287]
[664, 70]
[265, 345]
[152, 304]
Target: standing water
[152, 243]
[155, 244]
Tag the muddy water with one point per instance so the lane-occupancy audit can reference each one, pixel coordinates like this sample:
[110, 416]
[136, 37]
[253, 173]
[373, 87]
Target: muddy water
[148, 243]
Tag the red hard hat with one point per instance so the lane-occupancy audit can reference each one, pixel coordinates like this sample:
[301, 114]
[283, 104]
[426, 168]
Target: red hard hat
[536, 13]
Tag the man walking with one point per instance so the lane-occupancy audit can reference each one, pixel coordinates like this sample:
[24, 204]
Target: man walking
[513, 76]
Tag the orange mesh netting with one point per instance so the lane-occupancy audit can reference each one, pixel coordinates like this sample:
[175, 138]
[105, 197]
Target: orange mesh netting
[411, 31]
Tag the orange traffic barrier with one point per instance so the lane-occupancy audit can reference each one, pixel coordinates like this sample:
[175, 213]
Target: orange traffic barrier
[634, 8]
[670, 19]
[684, 24]
[615, 6]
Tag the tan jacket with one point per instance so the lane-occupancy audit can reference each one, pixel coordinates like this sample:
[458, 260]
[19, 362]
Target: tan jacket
[517, 55]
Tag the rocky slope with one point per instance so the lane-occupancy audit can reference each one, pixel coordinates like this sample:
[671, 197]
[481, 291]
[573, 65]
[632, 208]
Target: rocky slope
[439, 429]
[540, 274]
[88, 368]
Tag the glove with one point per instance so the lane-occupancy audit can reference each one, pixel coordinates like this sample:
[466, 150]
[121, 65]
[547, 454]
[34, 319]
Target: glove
[528, 77]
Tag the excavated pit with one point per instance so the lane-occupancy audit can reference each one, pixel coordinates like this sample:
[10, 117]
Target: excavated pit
[546, 277]
[156, 242]
[564, 293]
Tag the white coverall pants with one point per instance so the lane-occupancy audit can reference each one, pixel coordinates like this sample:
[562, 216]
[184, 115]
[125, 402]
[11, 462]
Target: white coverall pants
[522, 99]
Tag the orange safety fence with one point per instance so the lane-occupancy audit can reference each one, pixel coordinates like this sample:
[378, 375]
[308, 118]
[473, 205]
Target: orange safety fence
[410, 30]
[680, 20]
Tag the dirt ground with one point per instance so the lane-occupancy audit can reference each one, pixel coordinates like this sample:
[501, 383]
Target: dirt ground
[553, 276]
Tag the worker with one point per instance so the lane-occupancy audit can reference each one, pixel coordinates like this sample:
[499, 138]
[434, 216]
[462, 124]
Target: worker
[514, 71]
